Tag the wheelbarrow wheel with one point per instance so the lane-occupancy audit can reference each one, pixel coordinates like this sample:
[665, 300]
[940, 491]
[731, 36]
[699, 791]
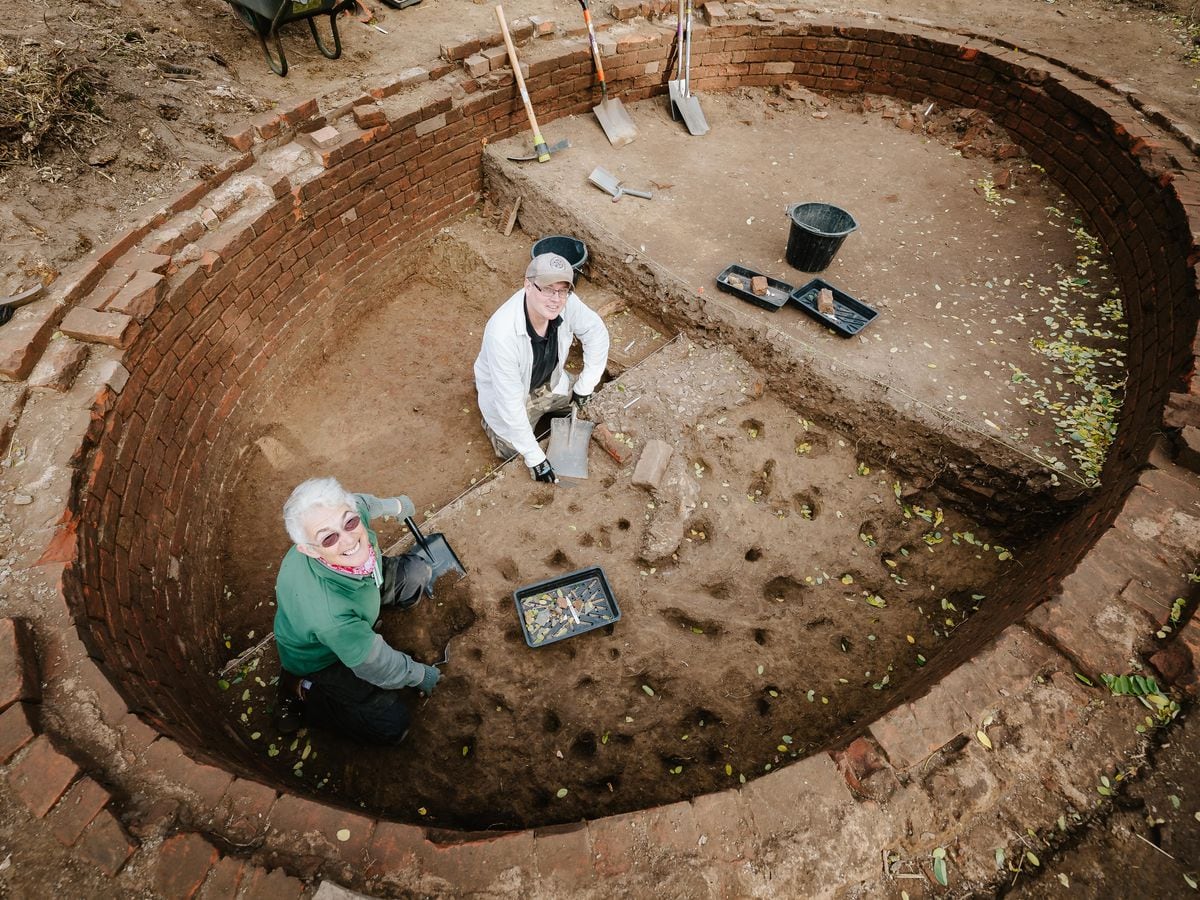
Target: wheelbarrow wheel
[337, 38]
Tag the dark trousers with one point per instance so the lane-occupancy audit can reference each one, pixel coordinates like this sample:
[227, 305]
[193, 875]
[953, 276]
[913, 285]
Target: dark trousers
[341, 701]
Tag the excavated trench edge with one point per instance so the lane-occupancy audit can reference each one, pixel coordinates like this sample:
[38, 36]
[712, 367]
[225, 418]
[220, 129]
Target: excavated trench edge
[302, 215]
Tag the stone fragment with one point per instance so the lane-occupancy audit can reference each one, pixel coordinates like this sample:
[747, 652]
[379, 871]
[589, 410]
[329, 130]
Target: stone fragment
[325, 137]
[652, 464]
[715, 14]
[675, 501]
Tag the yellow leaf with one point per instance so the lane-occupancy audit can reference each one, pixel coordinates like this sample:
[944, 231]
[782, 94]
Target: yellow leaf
[984, 739]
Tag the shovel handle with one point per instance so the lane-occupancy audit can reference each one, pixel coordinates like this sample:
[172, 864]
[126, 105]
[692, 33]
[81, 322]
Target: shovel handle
[539, 144]
[587, 20]
[418, 537]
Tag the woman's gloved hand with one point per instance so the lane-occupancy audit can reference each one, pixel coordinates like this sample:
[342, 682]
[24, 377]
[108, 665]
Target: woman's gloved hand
[430, 680]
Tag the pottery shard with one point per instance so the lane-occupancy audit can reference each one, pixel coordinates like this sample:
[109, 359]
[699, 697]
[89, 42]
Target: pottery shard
[652, 464]
[758, 284]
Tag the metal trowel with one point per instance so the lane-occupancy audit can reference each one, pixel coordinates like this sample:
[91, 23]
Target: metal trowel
[569, 442]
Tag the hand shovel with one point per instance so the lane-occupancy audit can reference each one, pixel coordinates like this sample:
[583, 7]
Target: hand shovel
[608, 183]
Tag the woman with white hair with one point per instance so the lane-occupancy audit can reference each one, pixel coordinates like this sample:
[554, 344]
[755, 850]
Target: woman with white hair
[338, 672]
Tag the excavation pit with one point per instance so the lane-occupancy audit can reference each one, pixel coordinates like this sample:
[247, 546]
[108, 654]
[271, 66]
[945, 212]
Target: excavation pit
[787, 628]
[322, 279]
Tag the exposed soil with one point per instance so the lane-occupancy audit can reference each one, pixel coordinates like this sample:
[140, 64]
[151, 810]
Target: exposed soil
[695, 628]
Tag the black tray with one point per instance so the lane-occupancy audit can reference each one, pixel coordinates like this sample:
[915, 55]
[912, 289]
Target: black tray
[777, 291]
[597, 606]
[852, 315]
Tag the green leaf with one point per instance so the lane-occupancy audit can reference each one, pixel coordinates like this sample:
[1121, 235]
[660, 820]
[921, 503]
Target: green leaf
[939, 871]
[1084, 680]
[1029, 855]
[939, 853]
[999, 857]
[1191, 882]
[223, 684]
[649, 690]
[560, 793]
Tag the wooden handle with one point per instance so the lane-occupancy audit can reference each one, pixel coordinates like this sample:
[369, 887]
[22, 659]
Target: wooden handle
[539, 145]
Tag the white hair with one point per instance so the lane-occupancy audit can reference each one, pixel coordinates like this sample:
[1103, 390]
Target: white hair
[324, 492]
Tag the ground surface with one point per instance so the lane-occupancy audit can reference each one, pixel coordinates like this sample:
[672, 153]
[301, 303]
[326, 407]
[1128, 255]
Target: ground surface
[161, 127]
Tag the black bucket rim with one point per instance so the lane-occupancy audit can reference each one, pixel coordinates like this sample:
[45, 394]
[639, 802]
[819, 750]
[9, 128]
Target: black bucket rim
[577, 266]
[791, 214]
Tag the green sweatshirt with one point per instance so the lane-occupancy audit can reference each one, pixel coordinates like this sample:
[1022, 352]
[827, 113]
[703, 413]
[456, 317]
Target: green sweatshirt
[323, 616]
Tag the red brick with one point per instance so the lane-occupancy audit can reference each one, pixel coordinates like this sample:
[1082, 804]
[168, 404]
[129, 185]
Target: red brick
[724, 820]
[114, 329]
[799, 797]
[369, 116]
[18, 663]
[393, 848]
[223, 879]
[77, 809]
[299, 111]
[25, 336]
[183, 864]
[615, 840]
[296, 820]
[106, 844]
[476, 65]
[244, 810]
[673, 827]
[474, 867]
[16, 730]
[563, 855]
[59, 365]
[42, 776]
[273, 885]
[464, 45]
[240, 138]
[715, 14]
[139, 296]
[168, 759]
[623, 10]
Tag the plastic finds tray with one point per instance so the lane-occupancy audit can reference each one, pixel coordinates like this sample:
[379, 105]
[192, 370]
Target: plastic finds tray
[735, 279]
[851, 315]
[544, 608]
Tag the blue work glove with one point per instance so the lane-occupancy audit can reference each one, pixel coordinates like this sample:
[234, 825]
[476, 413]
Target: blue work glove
[543, 471]
[430, 680]
[580, 400]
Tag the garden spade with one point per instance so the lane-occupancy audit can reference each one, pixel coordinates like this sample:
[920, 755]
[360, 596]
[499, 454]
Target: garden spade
[683, 102]
[611, 114]
[437, 552]
[568, 449]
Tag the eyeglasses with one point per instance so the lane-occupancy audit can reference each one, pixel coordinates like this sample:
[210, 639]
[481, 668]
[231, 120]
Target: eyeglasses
[561, 293]
[334, 536]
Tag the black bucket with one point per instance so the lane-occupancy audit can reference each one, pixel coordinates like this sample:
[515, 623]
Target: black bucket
[817, 232]
[571, 249]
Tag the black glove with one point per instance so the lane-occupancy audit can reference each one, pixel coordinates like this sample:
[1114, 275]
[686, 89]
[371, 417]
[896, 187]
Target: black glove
[543, 471]
[580, 400]
[432, 675]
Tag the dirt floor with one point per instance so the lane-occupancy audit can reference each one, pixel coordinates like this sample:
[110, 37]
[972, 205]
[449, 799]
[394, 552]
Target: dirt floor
[165, 79]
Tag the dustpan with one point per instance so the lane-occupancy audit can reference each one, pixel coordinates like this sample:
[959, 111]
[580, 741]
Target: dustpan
[437, 552]
[611, 114]
[568, 449]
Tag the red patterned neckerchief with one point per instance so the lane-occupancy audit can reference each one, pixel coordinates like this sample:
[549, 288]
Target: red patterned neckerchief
[367, 568]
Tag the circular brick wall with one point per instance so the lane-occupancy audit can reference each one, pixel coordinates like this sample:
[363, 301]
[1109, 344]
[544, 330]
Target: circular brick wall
[256, 261]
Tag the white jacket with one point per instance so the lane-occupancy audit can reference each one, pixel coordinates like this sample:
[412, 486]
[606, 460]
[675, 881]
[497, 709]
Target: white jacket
[505, 365]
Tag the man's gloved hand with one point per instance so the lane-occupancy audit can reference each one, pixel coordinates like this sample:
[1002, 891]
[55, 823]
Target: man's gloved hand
[580, 400]
[543, 471]
[430, 680]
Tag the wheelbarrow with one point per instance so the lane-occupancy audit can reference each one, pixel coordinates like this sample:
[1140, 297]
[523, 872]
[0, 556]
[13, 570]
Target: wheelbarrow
[266, 17]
